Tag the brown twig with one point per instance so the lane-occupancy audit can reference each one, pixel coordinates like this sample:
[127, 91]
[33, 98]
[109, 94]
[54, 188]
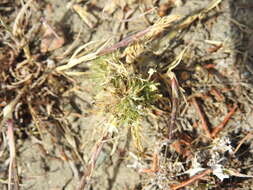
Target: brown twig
[202, 117]
[89, 169]
[155, 165]
[178, 146]
[214, 48]
[12, 165]
[175, 96]
[191, 180]
[217, 129]
[248, 136]
[149, 33]
[182, 146]
[217, 94]
[125, 42]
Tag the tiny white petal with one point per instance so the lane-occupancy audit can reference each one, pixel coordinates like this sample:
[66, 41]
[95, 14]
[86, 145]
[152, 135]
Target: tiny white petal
[219, 172]
[194, 171]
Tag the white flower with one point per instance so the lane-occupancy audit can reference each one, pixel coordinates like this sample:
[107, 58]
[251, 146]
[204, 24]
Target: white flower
[112, 128]
[153, 87]
[139, 107]
[196, 167]
[151, 72]
[194, 171]
[218, 171]
[223, 144]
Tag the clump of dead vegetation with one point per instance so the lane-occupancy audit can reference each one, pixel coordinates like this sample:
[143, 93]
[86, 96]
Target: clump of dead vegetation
[31, 92]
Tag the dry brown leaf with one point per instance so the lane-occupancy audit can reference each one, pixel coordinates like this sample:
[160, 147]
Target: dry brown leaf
[51, 40]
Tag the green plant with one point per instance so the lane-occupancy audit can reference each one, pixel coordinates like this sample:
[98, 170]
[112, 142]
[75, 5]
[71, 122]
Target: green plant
[124, 96]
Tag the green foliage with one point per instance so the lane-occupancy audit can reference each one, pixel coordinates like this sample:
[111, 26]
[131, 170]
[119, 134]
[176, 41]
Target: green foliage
[139, 95]
[129, 94]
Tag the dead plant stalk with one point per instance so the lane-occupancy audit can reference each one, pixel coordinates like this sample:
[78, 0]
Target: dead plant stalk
[202, 117]
[217, 129]
[91, 166]
[12, 165]
[192, 180]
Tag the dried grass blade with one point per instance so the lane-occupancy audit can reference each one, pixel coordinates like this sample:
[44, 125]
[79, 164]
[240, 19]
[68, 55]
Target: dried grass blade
[8, 109]
[125, 42]
[191, 180]
[91, 166]
[74, 60]
[19, 17]
[146, 34]
[217, 129]
[177, 61]
[212, 5]
[247, 137]
[175, 102]
[11, 143]
[202, 117]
